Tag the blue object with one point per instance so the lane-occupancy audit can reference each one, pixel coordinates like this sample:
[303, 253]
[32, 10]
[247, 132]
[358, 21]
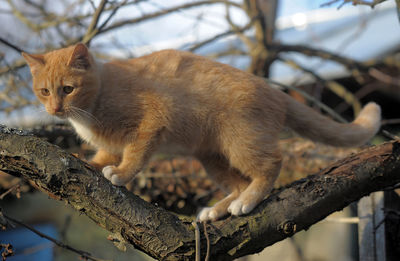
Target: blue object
[29, 246]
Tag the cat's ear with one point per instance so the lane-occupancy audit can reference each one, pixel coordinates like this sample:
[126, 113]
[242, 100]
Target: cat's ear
[80, 57]
[35, 61]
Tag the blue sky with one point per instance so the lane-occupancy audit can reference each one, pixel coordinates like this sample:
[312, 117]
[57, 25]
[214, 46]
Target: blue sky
[354, 31]
[289, 7]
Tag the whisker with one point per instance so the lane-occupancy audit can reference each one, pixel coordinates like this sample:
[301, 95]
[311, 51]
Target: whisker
[83, 115]
[91, 116]
[43, 117]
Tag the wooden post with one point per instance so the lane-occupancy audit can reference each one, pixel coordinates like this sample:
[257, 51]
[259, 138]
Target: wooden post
[371, 228]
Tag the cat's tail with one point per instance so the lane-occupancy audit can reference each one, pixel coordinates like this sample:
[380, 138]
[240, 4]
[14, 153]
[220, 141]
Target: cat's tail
[310, 124]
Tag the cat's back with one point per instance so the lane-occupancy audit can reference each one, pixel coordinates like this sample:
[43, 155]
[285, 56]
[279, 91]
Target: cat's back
[169, 61]
[192, 77]
[180, 64]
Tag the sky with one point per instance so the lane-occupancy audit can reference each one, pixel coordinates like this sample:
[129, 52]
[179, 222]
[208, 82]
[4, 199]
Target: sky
[354, 31]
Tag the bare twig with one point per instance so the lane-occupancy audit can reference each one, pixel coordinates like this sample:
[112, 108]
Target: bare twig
[16, 186]
[346, 95]
[398, 9]
[245, 39]
[207, 258]
[91, 30]
[333, 86]
[390, 188]
[371, 4]
[13, 67]
[390, 121]
[366, 89]
[383, 77]
[329, 3]
[197, 238]
[52, 21]
[92, 5]
[83, 254]
[343, 220]
[309, 98]
[390, 135]
[113, 12]
[219, 36]
[160, 13]
[311, 51]
[12, 46]
[322, 106]
[355, 67]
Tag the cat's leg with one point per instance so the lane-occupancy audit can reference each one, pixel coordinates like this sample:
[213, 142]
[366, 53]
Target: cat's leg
[251, 146]
[219, 210]
[103, 158]
[134, 156]
[229, 179]
[263, 174]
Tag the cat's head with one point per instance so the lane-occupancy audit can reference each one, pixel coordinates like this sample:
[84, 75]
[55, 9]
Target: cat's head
[65, 80]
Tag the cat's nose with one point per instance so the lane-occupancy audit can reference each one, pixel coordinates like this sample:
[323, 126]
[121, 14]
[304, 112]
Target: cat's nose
[57, 109]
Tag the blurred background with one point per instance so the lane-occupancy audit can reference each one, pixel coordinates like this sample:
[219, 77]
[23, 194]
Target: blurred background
[335, 53]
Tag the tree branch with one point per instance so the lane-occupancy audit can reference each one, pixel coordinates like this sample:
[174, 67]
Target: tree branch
[219, 36]
[371, 4]
[160, 13]
[327, 55]
[165, 236]
[91, 30]
[12, 46]
[83, 254]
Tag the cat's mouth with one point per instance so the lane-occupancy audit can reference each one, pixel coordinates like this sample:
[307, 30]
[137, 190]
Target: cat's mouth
[61, 115]
[67, 112]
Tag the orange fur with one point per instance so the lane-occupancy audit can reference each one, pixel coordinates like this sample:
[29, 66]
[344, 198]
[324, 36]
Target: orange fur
[179, 102]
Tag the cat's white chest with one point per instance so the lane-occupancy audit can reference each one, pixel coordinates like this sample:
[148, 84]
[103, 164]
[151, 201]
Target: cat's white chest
[83, 130]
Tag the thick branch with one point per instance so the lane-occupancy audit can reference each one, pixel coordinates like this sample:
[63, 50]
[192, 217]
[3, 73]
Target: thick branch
[165, 236]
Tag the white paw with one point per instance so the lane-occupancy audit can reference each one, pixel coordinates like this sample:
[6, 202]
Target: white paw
[110, 173]
[207, 214]
[237, 207]
[118, 181]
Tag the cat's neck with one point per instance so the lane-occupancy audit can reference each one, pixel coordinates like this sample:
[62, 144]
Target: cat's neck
[82, 128]
[94, 100]
[84, 114]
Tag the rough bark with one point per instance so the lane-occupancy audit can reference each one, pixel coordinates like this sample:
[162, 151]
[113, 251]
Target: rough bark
[163, 235]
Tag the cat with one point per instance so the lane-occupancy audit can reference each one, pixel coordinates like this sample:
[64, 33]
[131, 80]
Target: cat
[175, 101]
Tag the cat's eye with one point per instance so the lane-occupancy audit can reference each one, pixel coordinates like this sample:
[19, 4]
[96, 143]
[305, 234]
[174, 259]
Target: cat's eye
[68, 89]
[45, 92]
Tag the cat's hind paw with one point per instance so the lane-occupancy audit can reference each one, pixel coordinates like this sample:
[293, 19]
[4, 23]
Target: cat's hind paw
[207, 214]
[115, 176]
[212, 213]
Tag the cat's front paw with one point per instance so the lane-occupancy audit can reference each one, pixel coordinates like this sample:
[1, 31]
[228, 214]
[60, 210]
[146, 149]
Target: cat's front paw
[117, 177]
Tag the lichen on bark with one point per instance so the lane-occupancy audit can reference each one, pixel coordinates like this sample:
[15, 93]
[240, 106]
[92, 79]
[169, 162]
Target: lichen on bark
[163, 235]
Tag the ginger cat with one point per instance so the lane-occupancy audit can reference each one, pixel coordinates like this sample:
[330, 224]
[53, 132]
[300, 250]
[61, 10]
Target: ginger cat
[180, 102]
